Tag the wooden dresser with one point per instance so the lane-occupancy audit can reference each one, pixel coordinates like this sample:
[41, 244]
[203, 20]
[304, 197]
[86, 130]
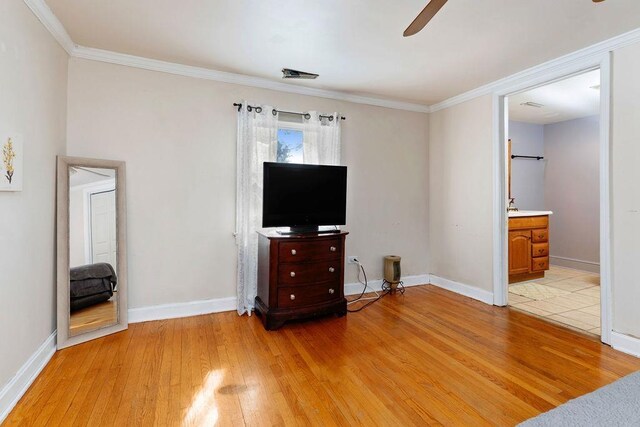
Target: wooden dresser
[300, 276]
[528, 247]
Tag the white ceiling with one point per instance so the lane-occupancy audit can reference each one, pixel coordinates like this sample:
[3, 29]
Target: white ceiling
[86, 175]
[356, 46]
[568, 99]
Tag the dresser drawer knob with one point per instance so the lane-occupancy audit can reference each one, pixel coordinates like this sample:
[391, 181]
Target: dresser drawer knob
[293, 274]
[293, 252]
[292, 296]
[331, 269]
[332, 291]
[540, 236]
[332, 248]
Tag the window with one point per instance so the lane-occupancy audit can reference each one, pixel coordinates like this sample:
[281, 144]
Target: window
[290, 145]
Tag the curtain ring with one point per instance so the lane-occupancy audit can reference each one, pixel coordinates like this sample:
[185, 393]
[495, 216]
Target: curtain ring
[307, 116]
[274, 112]
[249, 108]
[258, 110]
[330, 118]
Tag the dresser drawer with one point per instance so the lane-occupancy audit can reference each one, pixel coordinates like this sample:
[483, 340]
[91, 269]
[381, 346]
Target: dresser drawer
[519, 223]
[540, 250]
[540, 264]
[292, 297]
[305, 273]
[540, 235]
[301, 251]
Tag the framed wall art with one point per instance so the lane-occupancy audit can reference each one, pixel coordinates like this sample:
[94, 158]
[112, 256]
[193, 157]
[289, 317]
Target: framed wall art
[11, 162]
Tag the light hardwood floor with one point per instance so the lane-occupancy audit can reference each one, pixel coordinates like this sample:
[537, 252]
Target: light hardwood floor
[94, 317]
[427, 357]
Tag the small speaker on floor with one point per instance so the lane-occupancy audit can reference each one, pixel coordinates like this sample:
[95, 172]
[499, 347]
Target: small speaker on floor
[392, 272]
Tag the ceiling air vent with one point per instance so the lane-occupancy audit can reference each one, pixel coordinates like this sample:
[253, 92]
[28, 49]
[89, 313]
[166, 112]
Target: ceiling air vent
[532, 104]
[288, 73]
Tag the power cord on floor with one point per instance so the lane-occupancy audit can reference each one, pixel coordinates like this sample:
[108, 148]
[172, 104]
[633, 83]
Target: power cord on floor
[386, 289]
[365, 284]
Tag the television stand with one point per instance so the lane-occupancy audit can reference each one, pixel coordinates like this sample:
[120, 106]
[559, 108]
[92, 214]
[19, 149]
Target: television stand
[300, 276]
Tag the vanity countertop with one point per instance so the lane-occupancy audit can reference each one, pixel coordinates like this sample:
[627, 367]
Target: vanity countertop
[518, 214]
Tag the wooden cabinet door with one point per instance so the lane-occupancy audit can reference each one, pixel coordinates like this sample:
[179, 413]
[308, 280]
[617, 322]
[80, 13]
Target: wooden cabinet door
[519, 251]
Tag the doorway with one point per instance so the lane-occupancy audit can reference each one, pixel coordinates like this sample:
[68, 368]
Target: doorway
[573, 289]
[553, 172]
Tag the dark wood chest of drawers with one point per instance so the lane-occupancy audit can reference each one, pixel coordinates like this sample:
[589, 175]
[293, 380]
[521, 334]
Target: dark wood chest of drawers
[300, 276]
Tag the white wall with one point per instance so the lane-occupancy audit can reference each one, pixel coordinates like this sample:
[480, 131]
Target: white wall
[527, 176]
[33, 82]
[626, 189]
[178, 137]
[571, 191]
[460, 193]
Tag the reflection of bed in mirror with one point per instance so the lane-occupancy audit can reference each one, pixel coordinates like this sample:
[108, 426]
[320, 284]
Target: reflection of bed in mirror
[91, 297]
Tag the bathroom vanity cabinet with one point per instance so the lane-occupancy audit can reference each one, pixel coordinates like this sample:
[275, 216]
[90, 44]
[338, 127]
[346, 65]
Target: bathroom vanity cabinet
[528, 245]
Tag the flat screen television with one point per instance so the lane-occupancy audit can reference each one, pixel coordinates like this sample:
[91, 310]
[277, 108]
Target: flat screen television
[304, 197]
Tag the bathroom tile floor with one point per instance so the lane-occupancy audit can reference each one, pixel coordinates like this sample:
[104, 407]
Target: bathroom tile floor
[567, 296]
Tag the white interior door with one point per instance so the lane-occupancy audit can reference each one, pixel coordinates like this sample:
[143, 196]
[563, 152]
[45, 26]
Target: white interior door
[103, 227]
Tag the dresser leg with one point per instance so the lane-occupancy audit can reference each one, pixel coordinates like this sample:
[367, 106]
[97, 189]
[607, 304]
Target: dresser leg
[272, 324]
[342, 311]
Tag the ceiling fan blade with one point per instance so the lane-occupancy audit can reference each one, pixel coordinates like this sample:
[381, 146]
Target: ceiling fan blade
[424, 17]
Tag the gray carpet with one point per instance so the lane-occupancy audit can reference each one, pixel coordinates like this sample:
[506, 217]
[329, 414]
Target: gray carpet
[616, 404]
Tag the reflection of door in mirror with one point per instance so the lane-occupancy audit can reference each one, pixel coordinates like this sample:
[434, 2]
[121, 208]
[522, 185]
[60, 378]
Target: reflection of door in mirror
[103, 227]
[93, 293]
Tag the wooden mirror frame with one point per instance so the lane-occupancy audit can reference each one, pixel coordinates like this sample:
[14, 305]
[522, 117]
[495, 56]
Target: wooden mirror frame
[62, 219]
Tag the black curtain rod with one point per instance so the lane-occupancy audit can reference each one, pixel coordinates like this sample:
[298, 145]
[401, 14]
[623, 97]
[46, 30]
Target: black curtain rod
[274, 111]
[527, 157]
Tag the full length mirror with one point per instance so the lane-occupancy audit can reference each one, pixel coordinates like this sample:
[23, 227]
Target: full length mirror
[91, 259]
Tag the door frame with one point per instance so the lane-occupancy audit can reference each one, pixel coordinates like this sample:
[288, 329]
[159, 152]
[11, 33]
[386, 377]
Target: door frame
[90, 189]
[542, 77]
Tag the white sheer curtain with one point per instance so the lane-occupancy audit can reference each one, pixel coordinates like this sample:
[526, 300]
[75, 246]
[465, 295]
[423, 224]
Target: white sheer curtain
[257, 143]
[321, 144]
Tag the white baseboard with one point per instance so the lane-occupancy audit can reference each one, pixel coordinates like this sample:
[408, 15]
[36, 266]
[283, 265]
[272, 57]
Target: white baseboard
[196, 308]
[14, 389]
[183, 309]
[576, 264]
[625, 343]
[462, 289]
[356, 288]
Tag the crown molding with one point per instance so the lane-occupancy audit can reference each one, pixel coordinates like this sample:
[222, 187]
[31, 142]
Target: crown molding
[44, 14]
[566, 61]
[51, 22]
[42, 11]
[233, 78]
